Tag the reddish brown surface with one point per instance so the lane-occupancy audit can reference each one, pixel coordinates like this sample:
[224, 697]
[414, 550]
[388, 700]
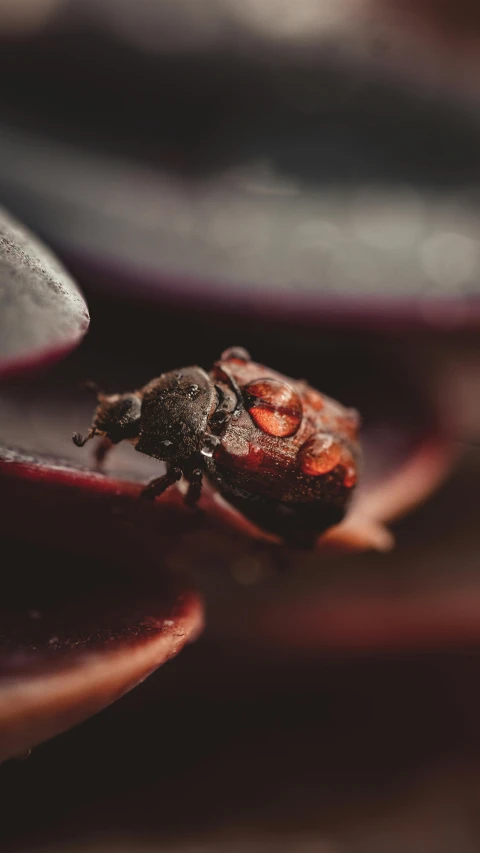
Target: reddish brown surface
[302, 436]
[276, 408]
[319, 455]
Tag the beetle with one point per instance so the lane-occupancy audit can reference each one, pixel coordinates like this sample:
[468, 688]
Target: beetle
[281, 453]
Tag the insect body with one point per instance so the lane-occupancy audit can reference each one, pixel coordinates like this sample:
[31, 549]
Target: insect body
[283, 454]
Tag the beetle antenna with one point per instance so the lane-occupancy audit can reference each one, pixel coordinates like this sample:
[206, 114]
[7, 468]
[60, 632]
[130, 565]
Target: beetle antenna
[90, 385]
[81, 442]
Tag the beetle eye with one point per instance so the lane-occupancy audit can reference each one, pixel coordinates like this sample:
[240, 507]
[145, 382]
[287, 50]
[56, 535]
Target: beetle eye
[274, 407]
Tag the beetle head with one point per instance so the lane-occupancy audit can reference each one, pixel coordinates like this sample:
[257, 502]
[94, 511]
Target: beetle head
[175, 413]
[117, 417]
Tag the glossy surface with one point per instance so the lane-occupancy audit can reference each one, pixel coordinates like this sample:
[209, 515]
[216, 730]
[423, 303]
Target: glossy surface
[319, 455]
[275, 407]
[269, 464]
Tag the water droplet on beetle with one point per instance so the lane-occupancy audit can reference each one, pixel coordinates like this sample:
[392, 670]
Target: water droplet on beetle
[236, 354]
[319, 455]
[275, 407]
[193, 391]
[212, 441]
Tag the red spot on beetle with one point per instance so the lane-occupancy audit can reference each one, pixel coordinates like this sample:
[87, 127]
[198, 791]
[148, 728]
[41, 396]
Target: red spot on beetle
[275, 407]
[254, 457]
[319, 455]
[239, 452]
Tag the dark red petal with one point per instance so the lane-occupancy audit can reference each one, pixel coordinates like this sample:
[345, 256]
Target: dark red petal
[52, 682]
[99, 515]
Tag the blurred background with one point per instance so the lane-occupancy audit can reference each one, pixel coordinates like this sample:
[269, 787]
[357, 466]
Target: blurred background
[301, 178]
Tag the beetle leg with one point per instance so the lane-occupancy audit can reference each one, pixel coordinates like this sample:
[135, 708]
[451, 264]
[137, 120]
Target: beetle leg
[159, 485]
[101, 452]
[195, 479]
